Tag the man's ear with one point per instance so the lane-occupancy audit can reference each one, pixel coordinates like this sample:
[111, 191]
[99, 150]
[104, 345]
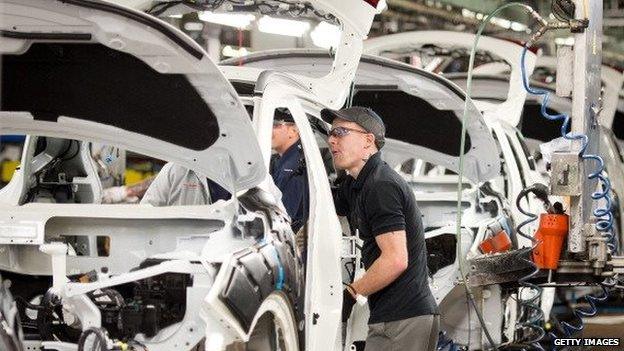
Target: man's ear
[295, 131]
[370, 138]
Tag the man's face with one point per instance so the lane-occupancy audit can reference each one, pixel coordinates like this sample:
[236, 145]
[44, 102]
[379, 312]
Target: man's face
[283, 134]
[351, 148]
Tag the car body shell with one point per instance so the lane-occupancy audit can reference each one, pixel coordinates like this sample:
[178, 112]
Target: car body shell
[226, 246]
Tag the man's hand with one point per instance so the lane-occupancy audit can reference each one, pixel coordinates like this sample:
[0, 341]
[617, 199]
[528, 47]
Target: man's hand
[348, 300]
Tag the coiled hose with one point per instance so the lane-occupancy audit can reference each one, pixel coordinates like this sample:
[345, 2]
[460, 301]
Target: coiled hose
[99, 344]
[603, 225]
[531, 315]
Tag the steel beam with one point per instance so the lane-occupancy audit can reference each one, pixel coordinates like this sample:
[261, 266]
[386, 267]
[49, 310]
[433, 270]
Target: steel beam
[585, 104]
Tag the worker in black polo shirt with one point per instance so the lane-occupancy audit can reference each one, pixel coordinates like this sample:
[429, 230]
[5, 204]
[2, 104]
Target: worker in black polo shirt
[382, 210]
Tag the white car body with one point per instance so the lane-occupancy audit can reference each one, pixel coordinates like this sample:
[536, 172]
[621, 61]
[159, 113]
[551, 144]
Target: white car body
[378, 83]
[501, 115]
[216, 245]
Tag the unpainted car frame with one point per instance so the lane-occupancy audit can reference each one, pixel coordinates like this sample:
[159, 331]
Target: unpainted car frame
[435, 194]
[238, 256]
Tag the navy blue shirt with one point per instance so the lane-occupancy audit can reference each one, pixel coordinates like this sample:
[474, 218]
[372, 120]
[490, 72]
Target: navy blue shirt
[217, 192]
[290, 176]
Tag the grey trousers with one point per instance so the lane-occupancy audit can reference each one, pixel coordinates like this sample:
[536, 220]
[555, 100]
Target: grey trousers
[413, 334]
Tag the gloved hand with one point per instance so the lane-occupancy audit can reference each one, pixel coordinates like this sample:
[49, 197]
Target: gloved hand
[300, 238]
[114, 195]
[347, 305]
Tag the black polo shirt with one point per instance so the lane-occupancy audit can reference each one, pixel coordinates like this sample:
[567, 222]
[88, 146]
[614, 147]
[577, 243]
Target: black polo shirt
[377, 202]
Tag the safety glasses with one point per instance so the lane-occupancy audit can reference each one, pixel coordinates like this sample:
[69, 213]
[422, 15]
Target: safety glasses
[340, 132]
[277, 123]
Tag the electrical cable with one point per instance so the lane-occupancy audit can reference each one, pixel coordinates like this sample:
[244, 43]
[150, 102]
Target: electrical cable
[264, 7]
[71, 142]
[99, 344]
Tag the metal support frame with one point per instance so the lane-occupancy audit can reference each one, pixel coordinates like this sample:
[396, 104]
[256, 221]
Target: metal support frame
[585, 101]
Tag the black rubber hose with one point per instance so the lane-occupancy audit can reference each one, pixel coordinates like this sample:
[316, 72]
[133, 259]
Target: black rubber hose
[100, 339]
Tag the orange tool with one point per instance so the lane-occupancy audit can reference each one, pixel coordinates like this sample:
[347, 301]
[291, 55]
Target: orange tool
[550, 235]
[497, 243]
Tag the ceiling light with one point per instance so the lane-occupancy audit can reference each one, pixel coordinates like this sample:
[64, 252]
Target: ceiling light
[501, 22]
[326, 35]
[282, 26]
[238, 20]
[468, 13]
[228, 51]
[193, 26]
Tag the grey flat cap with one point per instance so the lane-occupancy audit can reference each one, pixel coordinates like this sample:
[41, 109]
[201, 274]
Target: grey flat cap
[363, 116]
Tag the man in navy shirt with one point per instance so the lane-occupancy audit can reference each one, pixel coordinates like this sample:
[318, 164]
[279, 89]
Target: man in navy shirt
[288, 168]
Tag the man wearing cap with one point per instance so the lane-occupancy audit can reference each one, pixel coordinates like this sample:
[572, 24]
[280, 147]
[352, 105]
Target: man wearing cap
[382, 210]
[288, 168]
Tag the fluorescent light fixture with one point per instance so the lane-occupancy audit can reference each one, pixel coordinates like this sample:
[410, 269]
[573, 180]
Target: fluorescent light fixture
[193, 26]
[229, 51]
[280, 26]
[238, 20]
[468, 13]
[326, 35]
[501, 22]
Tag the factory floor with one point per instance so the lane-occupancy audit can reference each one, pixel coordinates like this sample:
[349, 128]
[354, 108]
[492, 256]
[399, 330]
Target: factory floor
[605, 326]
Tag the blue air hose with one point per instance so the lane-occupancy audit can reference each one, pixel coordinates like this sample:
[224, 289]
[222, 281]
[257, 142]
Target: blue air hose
[603, 225]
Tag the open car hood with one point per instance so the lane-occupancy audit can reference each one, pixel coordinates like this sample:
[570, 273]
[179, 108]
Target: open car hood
[511, 107]
[92, 70]
[422, 111]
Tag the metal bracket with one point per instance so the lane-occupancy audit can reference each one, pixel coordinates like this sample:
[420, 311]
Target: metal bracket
[613, 266]
[598, 252]
[616, 264]
[566, 174]
[350, 246]
[578, 26]
[500, 268]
